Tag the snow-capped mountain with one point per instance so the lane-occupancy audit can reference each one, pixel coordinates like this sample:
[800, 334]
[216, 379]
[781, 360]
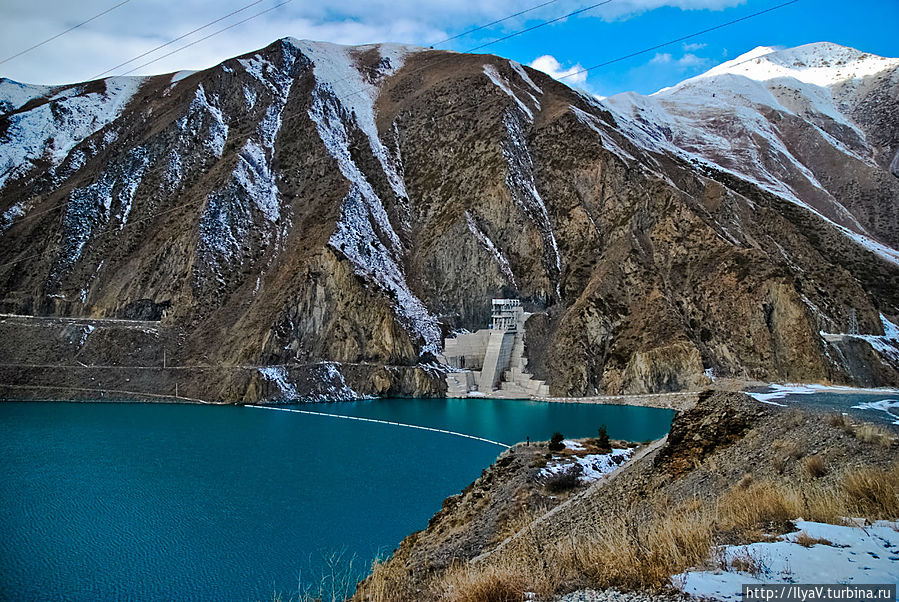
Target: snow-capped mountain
[332, 212]
[804, 123]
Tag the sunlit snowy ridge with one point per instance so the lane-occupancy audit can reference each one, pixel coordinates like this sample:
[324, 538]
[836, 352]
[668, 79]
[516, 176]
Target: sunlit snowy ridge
[722, 118]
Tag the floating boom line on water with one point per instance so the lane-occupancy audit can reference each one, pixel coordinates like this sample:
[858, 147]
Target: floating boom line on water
[390, 422]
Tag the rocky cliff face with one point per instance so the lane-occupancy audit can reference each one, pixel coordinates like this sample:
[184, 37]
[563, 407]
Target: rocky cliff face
[317, 203]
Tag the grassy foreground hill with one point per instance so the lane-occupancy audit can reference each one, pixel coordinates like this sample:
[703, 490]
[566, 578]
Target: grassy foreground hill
[731, 471]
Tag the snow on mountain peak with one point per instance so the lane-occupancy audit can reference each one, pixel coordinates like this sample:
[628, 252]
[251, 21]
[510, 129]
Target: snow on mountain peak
[395, 53]
[56, 126]
[731, 117]
[821, 63]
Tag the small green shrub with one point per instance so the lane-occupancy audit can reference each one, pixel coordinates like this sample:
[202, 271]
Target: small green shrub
[563, 481]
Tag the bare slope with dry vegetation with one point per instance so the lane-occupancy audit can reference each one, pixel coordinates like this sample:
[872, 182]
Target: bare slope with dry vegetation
[731, 471]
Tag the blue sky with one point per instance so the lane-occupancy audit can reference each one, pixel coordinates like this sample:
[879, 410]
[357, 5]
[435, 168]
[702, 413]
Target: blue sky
[870, 25]
[607, 32]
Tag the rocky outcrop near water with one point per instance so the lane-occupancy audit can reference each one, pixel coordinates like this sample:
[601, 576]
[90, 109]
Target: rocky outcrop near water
[312, 204]
[731, 471]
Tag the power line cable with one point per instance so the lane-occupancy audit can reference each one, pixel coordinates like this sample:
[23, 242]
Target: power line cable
[179, 38]
[39, 44]
[204, 38]
[497, 22]
[447, 114]
[680, 39]
[539, 25]
[32, 215]
[495, 41]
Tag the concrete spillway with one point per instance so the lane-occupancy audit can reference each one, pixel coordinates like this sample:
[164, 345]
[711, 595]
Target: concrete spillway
[491, 361]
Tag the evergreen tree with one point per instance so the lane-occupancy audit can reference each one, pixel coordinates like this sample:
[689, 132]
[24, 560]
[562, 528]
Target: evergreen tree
[602, 438]
[555, 444]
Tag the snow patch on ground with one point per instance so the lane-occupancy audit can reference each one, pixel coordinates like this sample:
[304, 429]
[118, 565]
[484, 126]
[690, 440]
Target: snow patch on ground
[501, 260]
[92, 206]
[336, 71]
[821, 64]
[520, 180]
[228, 217]
[204, 121]
[250, 96]
[886, 344]
[495, 76]
[881, 250]
[254, 175]
[776, 391]
[334, 385]
[14, 95]
[135, 166]
[527, 78]
[889, 406]
[572, 444]
[890, 330]
[278, 375]
[14, 212]
[859, 554]
[365, 234]
[720, 119]
[591, 467]
[596, 125]
[253, 172]
[50, 131]
[86, 330]
[179, 75]
[201, 107]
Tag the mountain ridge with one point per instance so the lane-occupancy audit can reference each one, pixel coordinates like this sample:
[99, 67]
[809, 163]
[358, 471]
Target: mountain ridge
[310, 202]
[797, 86]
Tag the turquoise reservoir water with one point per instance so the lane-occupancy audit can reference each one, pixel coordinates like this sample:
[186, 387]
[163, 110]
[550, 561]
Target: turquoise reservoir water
[105, 501]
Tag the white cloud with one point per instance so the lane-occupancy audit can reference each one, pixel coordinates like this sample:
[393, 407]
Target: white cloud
[136, 27]
[685, 62]
[624, 9]
[691, 60]
[550, 66]
[694, 47]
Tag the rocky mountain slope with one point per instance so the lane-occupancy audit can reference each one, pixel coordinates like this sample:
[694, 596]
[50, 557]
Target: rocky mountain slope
[313, 203]
[816, 125]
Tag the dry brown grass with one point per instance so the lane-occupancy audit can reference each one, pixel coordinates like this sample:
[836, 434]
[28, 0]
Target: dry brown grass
[464, 583]
[760, 504]
[748, 562]
[805, 540]
[838, 420]
[515, 523]
[779, 463]
[870, 433]
[563, 481]
[789, 448]
[873, 493]
[865, 432]
[642, 547]
[637, 553]
[388, 582]
[814, 466]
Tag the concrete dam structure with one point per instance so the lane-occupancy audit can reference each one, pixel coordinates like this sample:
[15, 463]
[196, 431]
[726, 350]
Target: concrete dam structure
[491, 361]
